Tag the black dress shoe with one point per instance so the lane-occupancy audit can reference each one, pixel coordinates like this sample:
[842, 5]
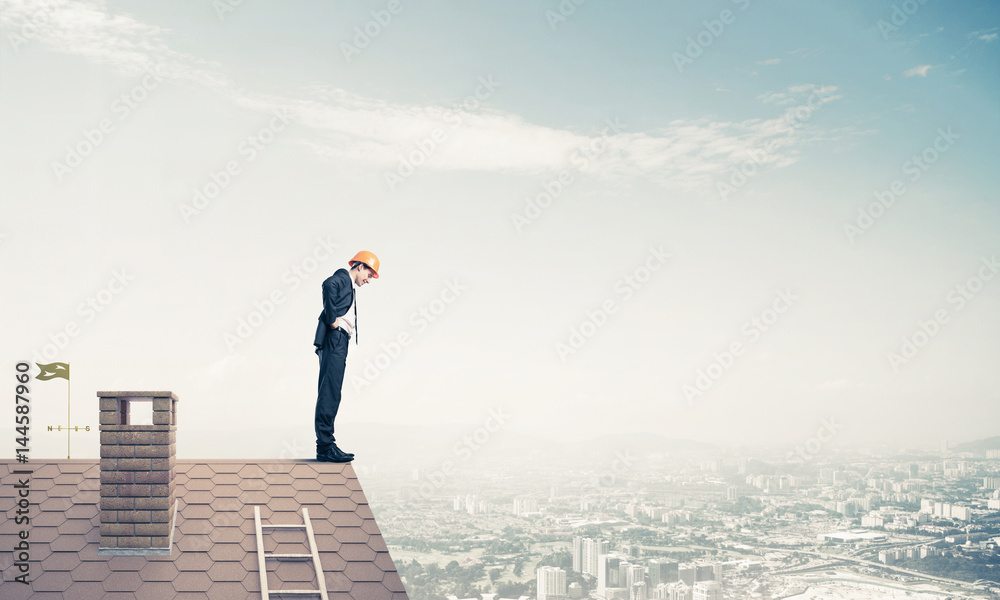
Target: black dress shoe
[334, 456]
[337, 449]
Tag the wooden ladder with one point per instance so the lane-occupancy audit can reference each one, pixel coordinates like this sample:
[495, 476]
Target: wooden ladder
[313, 554]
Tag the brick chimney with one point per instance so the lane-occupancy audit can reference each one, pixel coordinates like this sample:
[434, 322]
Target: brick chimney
[137, 474]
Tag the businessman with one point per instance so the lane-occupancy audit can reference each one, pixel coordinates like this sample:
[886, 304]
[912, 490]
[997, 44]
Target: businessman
[337, 325]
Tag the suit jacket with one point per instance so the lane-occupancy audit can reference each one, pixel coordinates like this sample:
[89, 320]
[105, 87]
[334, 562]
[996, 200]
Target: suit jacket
[338, 294]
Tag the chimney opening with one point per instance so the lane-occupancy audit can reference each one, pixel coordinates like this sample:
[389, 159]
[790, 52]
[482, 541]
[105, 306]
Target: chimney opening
[140, 412]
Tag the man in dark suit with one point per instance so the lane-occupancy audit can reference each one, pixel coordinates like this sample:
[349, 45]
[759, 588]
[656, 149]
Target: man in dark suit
[337, 325]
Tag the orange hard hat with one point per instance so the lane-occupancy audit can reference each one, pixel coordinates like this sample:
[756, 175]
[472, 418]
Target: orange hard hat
[367, 258]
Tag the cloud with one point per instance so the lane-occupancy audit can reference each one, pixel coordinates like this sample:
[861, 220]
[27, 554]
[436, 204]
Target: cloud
[370, 134]
[770, 61]
[776, 98]
[918, 71]
[86, 28]
[804, 52]
[985, 35]
[797, 93]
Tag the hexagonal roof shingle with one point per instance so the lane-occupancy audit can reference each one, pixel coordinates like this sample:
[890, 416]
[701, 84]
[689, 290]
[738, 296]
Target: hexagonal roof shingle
[214, 554]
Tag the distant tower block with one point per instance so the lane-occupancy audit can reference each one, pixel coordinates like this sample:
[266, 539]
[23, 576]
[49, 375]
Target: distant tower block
[137, 474]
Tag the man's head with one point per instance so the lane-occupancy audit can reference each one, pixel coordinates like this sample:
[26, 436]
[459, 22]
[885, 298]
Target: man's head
[364, 267]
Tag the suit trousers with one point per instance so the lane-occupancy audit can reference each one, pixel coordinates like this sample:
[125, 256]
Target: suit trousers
[332, 363]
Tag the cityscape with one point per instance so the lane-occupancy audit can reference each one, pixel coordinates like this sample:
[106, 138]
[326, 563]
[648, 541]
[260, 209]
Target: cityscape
[694, 522]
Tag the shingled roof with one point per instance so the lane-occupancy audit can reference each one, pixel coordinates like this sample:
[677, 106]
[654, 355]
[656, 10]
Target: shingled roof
[214, 552]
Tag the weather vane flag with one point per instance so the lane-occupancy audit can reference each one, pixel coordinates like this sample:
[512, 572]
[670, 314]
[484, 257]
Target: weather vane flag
[53, 370]
[61, 370]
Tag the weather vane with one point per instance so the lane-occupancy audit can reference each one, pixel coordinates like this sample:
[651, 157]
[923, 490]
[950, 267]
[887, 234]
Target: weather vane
[51, 371]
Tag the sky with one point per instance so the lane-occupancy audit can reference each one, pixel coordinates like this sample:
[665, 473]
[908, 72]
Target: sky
[726, 221]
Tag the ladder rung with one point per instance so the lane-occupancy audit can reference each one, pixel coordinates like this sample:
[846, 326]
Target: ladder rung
[313, 554]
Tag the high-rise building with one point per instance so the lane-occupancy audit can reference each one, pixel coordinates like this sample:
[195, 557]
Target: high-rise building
[653, 512]
[946, 510]
[707, 590]
[525, 504]
[704, 572]
[825, 476]
[551, 583]
[873, 519]
[474, 505]
[634, 574]
[673, 591]
[578, 554]
[962, 513]
[662, 571]
[608, 573]
[686, 574]
[592, 551]
[623, 568]
[847, 509]
[637, 591]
